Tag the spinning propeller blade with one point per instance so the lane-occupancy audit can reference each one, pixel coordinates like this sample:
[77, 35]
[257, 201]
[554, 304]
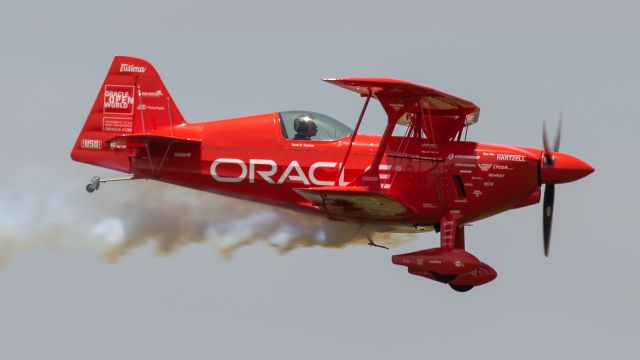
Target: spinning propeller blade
[549, 189]
[547, 215]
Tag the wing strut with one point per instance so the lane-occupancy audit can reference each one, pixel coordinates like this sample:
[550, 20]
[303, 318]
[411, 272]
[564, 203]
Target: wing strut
[371, 177]
[353, 137]
[430, 136]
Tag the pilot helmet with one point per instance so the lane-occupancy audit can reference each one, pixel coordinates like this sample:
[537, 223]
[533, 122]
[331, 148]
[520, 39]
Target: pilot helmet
[304, 124]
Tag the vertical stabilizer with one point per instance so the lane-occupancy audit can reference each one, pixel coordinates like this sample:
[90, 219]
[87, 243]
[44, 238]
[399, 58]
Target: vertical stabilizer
[132, 100]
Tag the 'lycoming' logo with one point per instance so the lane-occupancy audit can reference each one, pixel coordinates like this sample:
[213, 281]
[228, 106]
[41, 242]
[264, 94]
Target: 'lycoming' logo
[463, 157]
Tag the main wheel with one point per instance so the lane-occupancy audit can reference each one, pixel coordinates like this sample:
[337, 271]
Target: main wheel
[442, 277]
[461, 288]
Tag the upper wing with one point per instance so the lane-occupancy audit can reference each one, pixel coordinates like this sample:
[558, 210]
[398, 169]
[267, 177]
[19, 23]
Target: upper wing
[445, 114]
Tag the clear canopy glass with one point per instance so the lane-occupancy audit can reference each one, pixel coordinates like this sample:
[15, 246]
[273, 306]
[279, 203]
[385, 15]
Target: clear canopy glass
[328, 128]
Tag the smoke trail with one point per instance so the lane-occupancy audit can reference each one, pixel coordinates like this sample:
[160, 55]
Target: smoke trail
[121, 217]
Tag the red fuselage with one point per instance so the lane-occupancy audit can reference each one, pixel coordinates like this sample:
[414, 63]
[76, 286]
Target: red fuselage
[250, 158]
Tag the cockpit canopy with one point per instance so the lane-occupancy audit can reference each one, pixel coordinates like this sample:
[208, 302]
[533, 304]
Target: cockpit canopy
[328, 128]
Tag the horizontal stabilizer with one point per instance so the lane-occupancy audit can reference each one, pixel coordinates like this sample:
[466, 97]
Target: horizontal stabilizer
[355, 202]
[135, 141]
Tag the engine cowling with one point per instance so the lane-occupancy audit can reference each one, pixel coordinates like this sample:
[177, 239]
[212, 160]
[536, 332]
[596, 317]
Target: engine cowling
[446, 261]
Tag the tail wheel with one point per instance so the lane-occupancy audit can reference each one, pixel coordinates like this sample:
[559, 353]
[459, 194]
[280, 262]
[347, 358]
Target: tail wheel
[461, 288]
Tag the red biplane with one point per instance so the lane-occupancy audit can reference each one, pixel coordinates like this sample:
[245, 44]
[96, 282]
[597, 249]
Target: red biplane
[428, 179]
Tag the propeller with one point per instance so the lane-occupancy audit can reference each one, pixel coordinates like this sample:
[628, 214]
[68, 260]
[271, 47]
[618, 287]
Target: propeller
[549, 189]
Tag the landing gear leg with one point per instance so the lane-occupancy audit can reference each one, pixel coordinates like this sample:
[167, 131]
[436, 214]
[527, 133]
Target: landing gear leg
[452, 236]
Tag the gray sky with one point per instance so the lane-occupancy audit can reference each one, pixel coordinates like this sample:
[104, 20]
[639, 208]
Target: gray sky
[520, 62]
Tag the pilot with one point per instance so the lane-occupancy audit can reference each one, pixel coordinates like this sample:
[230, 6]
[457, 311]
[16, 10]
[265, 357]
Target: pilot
[305, 127]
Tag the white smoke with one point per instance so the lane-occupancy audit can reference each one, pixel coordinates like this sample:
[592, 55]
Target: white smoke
[123, 216]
